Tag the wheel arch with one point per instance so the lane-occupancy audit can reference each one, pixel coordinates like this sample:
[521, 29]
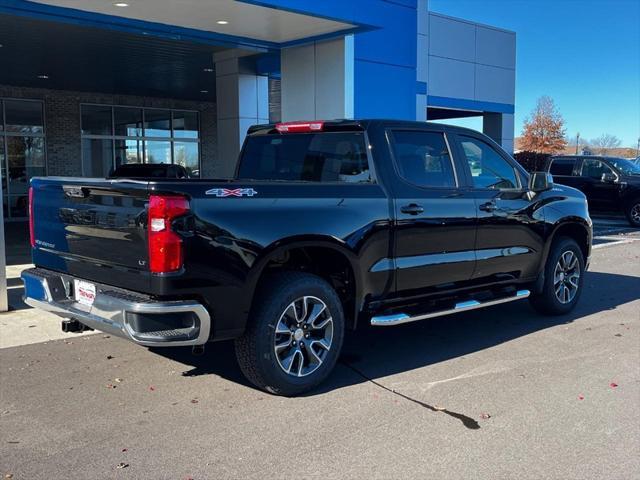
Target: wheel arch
[327, 257]
[576, 228]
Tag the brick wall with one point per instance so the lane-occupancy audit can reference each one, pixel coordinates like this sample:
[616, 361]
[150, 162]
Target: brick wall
[62, 123]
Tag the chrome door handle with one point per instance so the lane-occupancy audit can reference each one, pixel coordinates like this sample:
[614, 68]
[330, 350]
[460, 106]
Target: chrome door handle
[412, 209]
[488, 207]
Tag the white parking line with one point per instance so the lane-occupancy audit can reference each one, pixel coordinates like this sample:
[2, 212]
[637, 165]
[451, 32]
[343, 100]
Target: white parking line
[612, 241]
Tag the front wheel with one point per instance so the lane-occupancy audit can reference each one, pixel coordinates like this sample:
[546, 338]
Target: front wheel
[295, 335]
[633, 212]
[563, 279]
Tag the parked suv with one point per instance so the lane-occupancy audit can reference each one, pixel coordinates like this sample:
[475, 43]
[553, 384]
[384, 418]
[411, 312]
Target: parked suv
[609, 183]
[326, 225]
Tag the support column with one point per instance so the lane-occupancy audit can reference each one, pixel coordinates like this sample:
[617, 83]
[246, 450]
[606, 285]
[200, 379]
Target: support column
[317, 80]
[499, 126]
[242, 100]
[422, 60]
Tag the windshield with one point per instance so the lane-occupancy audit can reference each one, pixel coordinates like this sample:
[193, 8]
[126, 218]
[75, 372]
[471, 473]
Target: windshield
[625, 166]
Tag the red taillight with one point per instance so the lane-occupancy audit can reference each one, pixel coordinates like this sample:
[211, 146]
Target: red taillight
[299, 127]
[32, 237]
[165, 246]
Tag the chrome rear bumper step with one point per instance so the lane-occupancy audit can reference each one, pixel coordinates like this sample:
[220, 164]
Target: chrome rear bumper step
[399, 318]
[126, 314]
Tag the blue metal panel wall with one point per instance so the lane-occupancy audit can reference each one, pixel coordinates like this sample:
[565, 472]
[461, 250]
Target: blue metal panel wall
[385, 70]
[385, 54]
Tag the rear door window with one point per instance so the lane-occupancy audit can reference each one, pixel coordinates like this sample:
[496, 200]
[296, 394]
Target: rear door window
[311, 157]
[562, 167]
[423, 159]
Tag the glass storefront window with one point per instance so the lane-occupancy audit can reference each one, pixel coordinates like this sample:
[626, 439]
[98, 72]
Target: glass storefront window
[97, 157]
[185, 124]
[157, 123]
[128, 151]
[186, 154]
[157, 152]
[24, 117]
[115, 135]
[127, 121]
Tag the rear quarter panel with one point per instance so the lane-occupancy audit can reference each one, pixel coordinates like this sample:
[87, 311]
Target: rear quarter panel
[235, 237]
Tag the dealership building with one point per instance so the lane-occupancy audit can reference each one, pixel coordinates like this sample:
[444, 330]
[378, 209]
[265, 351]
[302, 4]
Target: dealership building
[86, 85]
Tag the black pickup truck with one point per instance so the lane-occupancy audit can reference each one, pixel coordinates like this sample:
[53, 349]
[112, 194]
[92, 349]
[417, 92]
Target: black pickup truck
[610, 184]
[325, 226]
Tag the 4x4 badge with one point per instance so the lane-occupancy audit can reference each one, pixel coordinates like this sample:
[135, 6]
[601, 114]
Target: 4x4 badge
[232, 192]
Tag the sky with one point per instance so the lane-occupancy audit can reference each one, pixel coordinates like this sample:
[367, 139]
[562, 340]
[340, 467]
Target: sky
[585, 54]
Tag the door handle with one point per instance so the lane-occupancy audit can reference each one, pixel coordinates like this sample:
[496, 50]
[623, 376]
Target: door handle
[412, 209]
[488, 207]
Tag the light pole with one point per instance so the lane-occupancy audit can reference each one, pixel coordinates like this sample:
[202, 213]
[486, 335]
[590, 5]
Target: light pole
[577, 142]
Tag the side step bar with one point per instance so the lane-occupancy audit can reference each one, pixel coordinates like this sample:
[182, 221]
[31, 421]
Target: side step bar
[398, 318]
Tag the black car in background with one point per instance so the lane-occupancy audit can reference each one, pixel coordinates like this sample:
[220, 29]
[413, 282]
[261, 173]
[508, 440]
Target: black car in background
[149, 170]
[609, 183]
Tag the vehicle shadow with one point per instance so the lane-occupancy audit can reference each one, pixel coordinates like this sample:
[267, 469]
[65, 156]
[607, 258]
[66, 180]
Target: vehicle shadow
[374, 352]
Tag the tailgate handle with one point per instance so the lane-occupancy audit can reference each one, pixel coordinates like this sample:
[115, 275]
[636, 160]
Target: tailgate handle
[75, 192]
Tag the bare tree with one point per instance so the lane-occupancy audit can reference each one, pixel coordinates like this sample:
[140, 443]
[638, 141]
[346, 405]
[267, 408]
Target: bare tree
[543, 131]
[605, 143]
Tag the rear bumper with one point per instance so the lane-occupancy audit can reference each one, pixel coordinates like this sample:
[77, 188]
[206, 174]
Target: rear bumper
[122, 313]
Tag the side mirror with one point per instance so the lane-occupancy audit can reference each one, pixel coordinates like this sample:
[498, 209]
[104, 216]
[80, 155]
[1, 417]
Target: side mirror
[540, 182]
[608, 178]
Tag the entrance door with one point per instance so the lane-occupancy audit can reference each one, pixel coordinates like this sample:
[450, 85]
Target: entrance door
[22, 152]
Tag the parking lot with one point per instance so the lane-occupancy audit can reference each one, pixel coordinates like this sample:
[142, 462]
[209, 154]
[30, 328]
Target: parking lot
[494, 393]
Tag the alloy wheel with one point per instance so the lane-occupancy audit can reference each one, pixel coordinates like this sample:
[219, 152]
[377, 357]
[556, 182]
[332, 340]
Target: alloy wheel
[635, 213]
[303, 336]
[566, 277]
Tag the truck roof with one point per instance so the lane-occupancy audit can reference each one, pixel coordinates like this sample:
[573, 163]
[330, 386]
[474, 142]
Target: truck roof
[348, 125]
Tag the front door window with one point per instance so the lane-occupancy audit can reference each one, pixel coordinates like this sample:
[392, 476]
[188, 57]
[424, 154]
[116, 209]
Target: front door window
[594, 169]
[488, 168]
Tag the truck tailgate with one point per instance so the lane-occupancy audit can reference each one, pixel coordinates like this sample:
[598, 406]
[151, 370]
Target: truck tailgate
[82, 224]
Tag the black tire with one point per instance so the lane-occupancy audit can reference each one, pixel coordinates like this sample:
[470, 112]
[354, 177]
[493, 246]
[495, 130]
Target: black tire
[633, 212]
[255, 350]
[547, 302]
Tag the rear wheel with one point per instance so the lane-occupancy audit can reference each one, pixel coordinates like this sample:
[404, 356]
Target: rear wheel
[633, 212]
[563, 279]
[295, 334]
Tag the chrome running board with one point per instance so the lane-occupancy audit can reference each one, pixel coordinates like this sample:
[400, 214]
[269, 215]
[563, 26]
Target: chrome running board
[398, 318]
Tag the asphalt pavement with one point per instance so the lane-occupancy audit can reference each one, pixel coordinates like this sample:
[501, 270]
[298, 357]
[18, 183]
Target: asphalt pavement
[495, 393]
